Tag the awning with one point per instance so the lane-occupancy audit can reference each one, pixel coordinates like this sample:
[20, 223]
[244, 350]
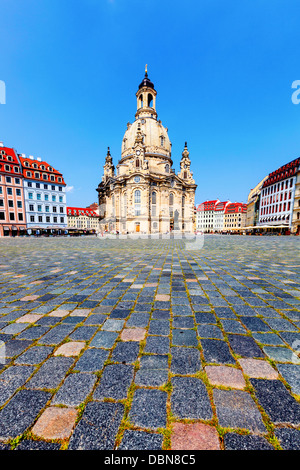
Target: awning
[6, 228]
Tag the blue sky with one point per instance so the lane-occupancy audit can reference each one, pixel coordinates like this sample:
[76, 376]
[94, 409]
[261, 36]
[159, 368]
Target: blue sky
[223, 71]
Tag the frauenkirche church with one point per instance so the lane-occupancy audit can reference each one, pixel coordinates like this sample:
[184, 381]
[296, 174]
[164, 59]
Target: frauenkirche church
[143, 193]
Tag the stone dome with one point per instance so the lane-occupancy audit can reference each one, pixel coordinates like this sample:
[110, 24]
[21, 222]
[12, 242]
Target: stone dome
[155, 137]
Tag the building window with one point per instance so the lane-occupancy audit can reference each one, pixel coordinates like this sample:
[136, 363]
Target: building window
[40, 218]
[18, 192]
[39, 208]
[47, 218]
[60, 188]
[54, 209]
[47, 208]
[17, 180]
[37, 185]
[31, 207]
[1, 202]
[61, 210]
[38, 196]
[30, 195]
[62, 220]
[19, 204]
[61, 199]
[9, 191]
[55, 220]
[10, 203]
[29, 184]
[167, 168]
[45, 186]
[32, 218]
[11, 216]
[7, 167]
[46, 197]
[53, 198]
[137, 202]
[20, 216]
[8, 179]
[53, 188]
[2, 215]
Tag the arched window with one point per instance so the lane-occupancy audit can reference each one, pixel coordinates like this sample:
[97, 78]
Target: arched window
[185, 175]
[141, 101]
[161, 141]
[171, 203]
[150, 100]
[137, 163]
[167, 168]
[137, 202]
[153, 204]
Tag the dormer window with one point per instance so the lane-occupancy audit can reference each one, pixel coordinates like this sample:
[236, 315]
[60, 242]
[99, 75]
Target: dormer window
[26, 164]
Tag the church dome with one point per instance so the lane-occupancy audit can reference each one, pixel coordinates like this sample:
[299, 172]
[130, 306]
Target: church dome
[155, 137]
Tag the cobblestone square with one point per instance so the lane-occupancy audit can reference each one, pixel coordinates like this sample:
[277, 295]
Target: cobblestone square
[150, 344]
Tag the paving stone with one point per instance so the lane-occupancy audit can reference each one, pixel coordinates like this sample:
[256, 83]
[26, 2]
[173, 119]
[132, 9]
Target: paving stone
[28, 444]
[148, 409]
[279, 324]
[184, 337]
[51, 373]
[133, 334]
[29, 318]
[72, 348]
[233, 441]
[255, 324]
[190, 399]
[11, 379]
[21, 411]
[291, 374]
[205, 317]
[276, 400]
[225, 376]
[236, 409]
[55, 423]
[125, 352]
[157, 345]
[74, 390]
[159, 327]
[185, 360]
[57, 334]
[268, 339]
[216, 351]
[256, 368]
[245, 346]
[281, 354]
[92, 360]
[113, 325]
[34, 355]
[289, 438]
[115, 382]
[139, 320]
[104, 339]
[141, 440]
[14, 347]
[98, 427]
[14, 328]
[194, 436]
[209, 331]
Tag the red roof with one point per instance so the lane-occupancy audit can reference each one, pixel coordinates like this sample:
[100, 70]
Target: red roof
[77, 211]
[285, 171]
[31, 168]
[207, 205]
[9, 158]
[220, 206]
[235, 207]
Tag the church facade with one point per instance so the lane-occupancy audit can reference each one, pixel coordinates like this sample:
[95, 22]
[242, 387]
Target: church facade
[143, 194]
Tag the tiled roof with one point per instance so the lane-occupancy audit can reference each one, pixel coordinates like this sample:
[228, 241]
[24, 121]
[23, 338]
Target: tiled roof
[77, 211]
[285, 171]
[12, 162]
[236, 207]
[31, 168]
[207, 205]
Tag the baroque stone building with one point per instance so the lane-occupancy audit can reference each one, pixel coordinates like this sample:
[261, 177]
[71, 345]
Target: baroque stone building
[143, 194]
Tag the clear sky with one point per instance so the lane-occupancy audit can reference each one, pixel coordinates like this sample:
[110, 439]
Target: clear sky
[223, 71]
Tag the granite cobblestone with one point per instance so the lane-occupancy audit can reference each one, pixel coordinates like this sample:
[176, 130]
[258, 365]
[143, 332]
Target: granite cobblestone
[157, 333]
